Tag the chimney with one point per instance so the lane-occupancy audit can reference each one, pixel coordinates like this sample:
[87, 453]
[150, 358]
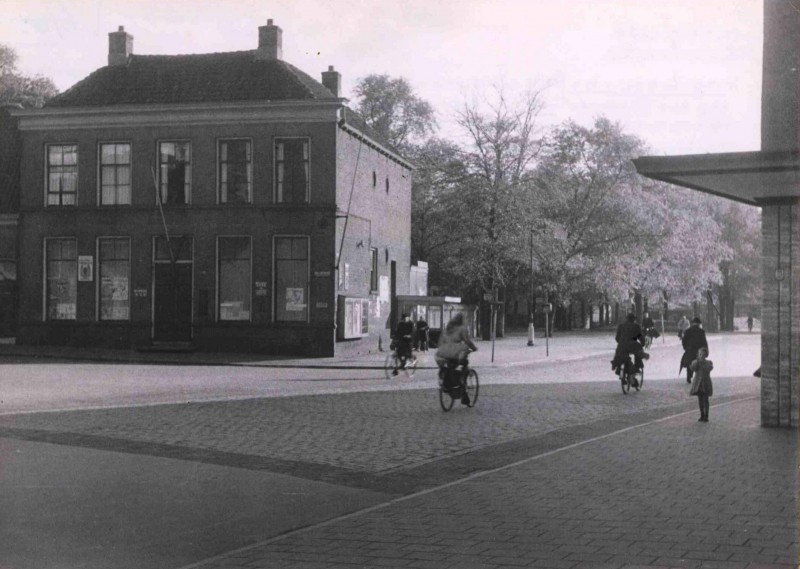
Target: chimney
[120, 47]
[270, 42]
[332, 80]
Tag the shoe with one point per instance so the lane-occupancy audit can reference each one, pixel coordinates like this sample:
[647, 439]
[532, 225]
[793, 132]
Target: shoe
[645, 356]
[634, 382]
[704, 419]
[394, 372]
[465, 400]
[700, 420]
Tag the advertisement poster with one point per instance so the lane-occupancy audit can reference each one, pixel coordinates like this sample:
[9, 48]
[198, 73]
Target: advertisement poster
[295, 299]
[383, 289]
[85, 266]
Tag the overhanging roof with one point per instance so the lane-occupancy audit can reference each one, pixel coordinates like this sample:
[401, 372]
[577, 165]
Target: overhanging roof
[747, 177]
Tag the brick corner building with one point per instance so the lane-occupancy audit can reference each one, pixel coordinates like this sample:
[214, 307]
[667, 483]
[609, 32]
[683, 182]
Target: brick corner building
[227, 201]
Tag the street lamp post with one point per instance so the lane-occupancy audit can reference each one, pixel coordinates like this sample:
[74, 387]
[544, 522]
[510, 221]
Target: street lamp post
[532, 300]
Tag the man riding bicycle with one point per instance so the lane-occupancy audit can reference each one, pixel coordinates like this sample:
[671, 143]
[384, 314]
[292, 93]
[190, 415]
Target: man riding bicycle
[629, 341]
[403, 338]
[454, 345]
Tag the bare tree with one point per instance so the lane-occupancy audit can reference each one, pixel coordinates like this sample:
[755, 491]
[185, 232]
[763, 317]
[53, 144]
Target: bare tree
[16, 88]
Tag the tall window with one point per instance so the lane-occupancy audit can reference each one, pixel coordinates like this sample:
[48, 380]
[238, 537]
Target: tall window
[235, 171]
[62, 279]
[115, 265]
[62, 174]
[115, 174]
[175, 183]
[234, 278]
[291, 279]
[373, 269]
[291, 170]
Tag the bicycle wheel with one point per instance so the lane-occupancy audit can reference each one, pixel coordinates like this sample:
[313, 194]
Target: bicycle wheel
[623, 378]
[472, 386]
[389, 365]
[445, 400]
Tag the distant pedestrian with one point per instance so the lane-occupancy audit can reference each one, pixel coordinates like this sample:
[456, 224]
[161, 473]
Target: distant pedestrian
[421, 340]
[750, 323]
[701, 385]
[683, 325]
[694, 338]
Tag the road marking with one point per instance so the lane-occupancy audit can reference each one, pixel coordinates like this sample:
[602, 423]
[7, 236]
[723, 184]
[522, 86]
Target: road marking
[468, 478]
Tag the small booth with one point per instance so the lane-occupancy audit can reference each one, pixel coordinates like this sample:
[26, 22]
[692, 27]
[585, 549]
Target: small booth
[437, 311]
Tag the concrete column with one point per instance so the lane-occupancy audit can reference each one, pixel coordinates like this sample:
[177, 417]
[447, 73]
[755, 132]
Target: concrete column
[780, 328]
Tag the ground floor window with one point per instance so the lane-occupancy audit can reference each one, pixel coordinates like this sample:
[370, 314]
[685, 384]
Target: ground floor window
[115, 265]
[291, 279]
[234, 278]
[62, 279]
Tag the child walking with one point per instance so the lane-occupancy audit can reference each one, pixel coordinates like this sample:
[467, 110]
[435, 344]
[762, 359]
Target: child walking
[701, 382]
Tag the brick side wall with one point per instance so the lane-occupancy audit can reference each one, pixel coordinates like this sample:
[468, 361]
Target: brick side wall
[379, 219]
[780, 336]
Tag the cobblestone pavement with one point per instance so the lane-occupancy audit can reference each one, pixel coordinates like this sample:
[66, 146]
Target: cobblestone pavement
[671, 493]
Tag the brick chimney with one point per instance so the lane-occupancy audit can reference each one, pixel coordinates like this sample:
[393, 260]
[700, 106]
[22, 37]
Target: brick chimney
[270, 42]
[332, 80]
[120, 47]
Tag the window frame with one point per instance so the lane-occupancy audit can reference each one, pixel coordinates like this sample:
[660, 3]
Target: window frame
[99, 284]
[45, 276]
[217, 299]
[100, 165]
[251, 169]
[47, 166]
[275, 239]
[158, 196]
[275, 196]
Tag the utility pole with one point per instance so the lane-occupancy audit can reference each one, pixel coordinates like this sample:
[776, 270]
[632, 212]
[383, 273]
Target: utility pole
[532, 300]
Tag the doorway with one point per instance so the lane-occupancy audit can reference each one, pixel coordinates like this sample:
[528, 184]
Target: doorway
[172, 290]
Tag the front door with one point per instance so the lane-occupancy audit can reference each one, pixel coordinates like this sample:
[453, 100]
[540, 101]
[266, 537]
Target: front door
[172, 302]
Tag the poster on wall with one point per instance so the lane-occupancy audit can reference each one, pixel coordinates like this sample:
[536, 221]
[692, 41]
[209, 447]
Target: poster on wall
[383, 289]
[295, 299]
[85, 266]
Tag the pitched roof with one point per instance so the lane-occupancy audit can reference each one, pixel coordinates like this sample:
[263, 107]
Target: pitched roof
[197, 78]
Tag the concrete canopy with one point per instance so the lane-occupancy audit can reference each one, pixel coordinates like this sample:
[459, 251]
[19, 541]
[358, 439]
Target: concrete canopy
[747, 177]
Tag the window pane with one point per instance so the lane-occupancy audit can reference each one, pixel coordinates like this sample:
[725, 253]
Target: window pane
[62, 279]
[291, 174]
[107, 154]
[176, 172]
[70, 155]
[234, 278]
[114, 279]
[54, 157]
[291, 279]
[235, 171]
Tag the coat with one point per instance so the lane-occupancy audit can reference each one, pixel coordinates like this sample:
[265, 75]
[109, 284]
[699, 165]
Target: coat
[693, 339]
[454, 344]
[701, 381]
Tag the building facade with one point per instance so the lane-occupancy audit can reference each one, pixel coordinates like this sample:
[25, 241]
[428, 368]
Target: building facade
[227, 201]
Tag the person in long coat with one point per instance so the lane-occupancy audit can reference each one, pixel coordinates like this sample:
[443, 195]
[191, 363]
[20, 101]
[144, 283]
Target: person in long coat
[693, 339]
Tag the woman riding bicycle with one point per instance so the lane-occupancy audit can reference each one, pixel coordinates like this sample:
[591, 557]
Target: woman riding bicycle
[454, 345]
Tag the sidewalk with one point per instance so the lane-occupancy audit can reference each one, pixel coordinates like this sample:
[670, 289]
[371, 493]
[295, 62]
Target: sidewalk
[511, 350]
[669, 493]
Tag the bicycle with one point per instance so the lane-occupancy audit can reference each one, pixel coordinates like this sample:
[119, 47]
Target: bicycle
[395, 361]
[463, 378]
[629, 375]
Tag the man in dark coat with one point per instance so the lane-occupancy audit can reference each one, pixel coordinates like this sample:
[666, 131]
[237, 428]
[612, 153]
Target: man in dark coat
[693, 339]
[629, 341]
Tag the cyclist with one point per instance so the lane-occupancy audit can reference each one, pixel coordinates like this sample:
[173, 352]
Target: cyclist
[649, 327]
[629, 341]
[454, 345]
[403, 339]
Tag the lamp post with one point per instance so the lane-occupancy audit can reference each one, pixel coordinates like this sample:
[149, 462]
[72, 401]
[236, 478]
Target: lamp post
[532, 300]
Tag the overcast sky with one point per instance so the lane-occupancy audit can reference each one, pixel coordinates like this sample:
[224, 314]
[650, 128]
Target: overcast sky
[684, 75]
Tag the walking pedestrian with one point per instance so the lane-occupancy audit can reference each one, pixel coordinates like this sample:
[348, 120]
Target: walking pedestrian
[750, 323]
[421, 340]
[701, 385]
[683, 325]
[693, 339]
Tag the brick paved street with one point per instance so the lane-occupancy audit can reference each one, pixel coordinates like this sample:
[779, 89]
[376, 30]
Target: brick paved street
[554, 467]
